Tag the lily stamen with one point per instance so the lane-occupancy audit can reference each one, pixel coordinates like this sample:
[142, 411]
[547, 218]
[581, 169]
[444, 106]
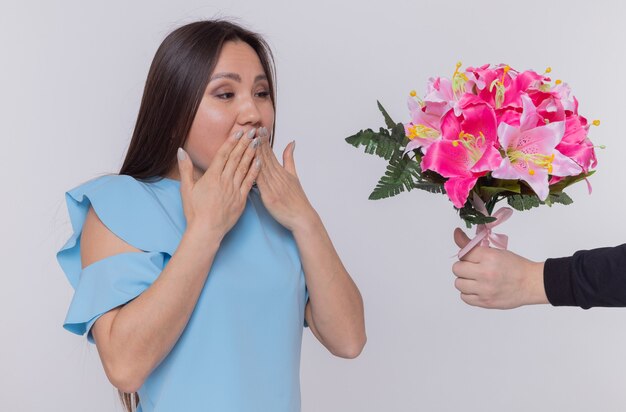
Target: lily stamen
[458, 80]
[423, 132]
[540, 160]
[506, 70]
[471, 143]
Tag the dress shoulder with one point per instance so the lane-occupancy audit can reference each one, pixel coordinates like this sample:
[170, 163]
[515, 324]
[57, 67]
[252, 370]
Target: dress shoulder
[128, 208]
[132, 211]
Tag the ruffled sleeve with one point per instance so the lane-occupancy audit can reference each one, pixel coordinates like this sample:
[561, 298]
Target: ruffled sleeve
[132, 211]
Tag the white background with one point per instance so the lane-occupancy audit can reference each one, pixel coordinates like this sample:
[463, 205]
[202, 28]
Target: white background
[71, 78]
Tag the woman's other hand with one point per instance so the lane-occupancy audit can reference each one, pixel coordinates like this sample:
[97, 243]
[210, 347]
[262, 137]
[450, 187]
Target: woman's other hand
[280, 188]
[497, 279]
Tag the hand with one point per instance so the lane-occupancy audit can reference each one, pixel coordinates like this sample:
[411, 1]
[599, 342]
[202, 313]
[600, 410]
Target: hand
[497, 279]
[214, 202]
[280, 188]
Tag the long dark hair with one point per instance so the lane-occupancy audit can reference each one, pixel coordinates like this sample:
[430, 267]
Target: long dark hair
[176, 82]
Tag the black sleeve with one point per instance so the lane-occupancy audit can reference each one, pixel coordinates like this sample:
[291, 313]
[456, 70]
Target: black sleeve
[589, 278]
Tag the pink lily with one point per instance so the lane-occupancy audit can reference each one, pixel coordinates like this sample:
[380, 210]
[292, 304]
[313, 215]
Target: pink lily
[505, 85]
[440, 96]
[424, 128]
[445, 94]
[575, 143]
[476, 76]
[549, 105]
[466, 151]
[530, 151]
[563, 92]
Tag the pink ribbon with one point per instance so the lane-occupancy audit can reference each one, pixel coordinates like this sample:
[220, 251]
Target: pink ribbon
[484, 235]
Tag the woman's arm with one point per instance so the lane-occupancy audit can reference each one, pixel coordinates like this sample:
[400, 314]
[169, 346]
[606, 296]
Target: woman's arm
[134, 338]
[335, 309]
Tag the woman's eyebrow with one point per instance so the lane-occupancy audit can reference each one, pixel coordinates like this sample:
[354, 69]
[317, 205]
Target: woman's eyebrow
[235, 77]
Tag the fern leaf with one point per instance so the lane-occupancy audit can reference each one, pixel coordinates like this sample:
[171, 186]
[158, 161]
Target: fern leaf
[472, 216]
[429, 186]
[400, 176]
[561, 198]
[380, 143]
[523, 202]
[390, 123]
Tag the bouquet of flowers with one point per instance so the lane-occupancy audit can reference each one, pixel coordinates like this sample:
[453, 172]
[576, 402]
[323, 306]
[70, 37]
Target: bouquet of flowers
[487, 134]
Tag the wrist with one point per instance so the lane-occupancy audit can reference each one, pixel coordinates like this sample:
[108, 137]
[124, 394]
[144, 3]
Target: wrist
[203, 236]
[308, 223]
[536, 292]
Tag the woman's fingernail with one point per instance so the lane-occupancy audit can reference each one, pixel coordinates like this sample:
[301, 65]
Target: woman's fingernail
[181, 154]
[257, 163]
[251, 133]
[262, 132]
[239, 134]
[255, 143]
[294, 146]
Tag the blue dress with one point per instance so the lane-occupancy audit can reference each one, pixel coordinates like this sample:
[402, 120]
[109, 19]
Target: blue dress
[240, 350]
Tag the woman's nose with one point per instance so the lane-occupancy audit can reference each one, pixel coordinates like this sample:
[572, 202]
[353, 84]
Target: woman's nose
[249, 112]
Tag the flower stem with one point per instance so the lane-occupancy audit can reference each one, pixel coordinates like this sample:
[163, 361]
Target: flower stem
[491, 204]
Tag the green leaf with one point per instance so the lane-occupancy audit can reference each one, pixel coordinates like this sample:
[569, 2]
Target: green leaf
[523, 202]
[562, 198]
[385, 143]
[400, 176]
[526, 202]
[396, 129]
[381, 144]
[568, 181]
[472, 216]
[431, 187]
[487, 192]
[399, 134]
[390, 123]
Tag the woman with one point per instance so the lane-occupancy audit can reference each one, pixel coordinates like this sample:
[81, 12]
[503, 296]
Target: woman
[193, 282]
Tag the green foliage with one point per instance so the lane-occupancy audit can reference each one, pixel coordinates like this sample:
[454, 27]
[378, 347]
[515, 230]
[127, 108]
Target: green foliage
[526, 202]
[561, 198]
[400, 176]
[429, 186]
[390, 123]
[523, 202]
[499, 187]
[472, 216]
[380, 143]
[568, 181]
[385, 143]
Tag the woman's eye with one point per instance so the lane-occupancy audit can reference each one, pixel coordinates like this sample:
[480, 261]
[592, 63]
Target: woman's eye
[263, 94]
[225, 96]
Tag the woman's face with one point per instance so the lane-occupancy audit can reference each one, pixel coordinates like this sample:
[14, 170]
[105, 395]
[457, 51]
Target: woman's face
[237, 97]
